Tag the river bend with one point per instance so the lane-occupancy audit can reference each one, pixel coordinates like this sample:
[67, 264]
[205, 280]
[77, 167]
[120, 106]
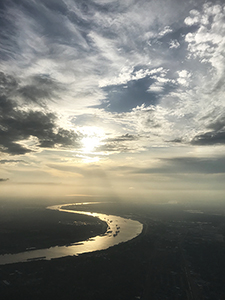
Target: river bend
[119, 230]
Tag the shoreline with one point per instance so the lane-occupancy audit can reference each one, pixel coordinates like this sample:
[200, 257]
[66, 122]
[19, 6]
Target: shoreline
[119, 230]
[43, 229]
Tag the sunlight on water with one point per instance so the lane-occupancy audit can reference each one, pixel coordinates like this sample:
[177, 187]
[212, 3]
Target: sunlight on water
[119, 230]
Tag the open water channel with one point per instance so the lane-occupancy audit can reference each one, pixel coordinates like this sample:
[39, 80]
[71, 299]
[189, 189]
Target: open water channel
[119, 230]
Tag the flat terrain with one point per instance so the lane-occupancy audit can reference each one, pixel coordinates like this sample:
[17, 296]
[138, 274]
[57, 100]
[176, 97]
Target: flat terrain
[39, 228]
[179, 255]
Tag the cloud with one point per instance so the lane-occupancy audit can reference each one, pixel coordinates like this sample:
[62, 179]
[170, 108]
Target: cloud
[209, 138]
[9, 161]
[45, 45]
[141, 88]
[214, 129]
[217, 122]
[177, 140]
[194, 18]
[121, 98]
[17, 125]
[8, 84]
[174, 44]
[131, 69]
[123, 143]
[165, 31]
[130, 74]
[208, 41]
[114, 147]
[4, 179]
[52, 39]
[138, 128]
[122, 138]
[40, 89]
[184, 77]
[186, 165]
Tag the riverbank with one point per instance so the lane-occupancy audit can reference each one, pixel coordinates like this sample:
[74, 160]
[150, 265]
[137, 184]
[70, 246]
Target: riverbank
[119, 230]
[38, 228]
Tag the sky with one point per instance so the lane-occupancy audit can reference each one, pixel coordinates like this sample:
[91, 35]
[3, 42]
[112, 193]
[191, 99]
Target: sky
[112, 98]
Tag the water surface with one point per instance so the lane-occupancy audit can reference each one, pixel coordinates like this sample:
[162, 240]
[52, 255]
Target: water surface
[119, 230]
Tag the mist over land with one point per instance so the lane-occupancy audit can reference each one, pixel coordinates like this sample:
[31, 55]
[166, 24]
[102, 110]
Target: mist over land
[179, 254]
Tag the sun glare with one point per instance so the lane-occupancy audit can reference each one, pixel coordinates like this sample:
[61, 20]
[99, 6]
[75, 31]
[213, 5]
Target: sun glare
[89, 144]
[92, 138]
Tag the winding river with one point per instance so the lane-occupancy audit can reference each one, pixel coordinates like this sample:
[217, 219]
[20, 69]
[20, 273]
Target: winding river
[119, 230]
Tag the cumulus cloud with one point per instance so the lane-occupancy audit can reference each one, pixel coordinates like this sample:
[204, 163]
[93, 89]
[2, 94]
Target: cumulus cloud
[194, 18]
[208, 41]
[183, 78]
[165, 31]
[197, 101]
[174, 44]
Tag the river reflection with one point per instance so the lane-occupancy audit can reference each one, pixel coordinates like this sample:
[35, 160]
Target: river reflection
[119, 230]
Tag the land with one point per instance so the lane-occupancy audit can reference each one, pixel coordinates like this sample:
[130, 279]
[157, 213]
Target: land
[179, 255]
[38, 228]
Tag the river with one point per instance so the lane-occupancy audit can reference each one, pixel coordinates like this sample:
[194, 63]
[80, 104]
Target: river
[119, 230]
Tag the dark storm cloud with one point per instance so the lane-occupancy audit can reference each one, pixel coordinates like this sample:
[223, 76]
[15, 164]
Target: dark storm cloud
[17, 125]
[186, 165]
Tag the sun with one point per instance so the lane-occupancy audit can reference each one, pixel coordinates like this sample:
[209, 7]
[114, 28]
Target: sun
[90, 143]
[92, 137]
